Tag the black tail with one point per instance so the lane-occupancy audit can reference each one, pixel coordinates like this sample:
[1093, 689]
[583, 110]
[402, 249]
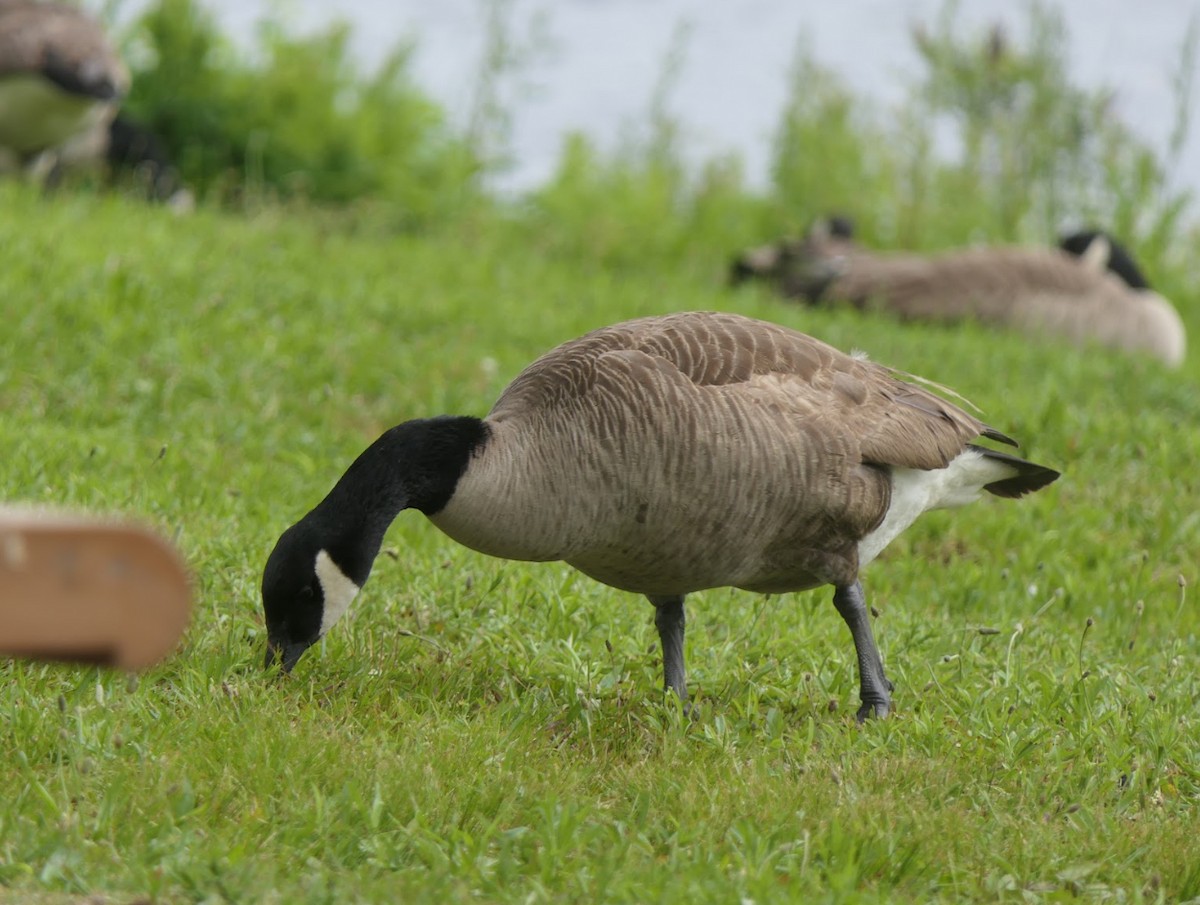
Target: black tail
[1029, 477]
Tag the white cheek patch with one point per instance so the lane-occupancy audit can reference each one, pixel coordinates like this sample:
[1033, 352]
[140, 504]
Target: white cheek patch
[1095, 256]
[338, 590]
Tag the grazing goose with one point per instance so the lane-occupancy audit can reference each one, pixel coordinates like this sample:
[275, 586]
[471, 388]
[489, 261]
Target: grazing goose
[134, 149]
[128, 153]
[1073, 293]
[661, 456]
[59, 77]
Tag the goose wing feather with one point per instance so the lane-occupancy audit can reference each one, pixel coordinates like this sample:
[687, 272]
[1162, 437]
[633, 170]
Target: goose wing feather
[799, 380]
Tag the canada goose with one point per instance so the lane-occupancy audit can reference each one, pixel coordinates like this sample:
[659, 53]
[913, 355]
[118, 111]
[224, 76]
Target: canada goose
[59, 76]
[128, 152]
[661, 456]
[133, 148]
[1061, 292]
[766, 262]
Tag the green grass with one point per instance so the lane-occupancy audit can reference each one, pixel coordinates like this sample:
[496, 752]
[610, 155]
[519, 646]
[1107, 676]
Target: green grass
[494, 730]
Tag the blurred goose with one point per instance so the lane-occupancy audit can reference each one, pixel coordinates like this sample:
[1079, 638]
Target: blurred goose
[127, 152]
[661, 456]
[59, 77]
[1079, 292]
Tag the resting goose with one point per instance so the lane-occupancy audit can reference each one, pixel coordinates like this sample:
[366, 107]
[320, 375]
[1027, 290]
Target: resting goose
[1076, 292]
[59, 77]
[661, 456]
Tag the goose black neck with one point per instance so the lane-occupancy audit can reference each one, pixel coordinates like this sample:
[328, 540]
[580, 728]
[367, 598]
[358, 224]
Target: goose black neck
[1121, 262]
[415, 465]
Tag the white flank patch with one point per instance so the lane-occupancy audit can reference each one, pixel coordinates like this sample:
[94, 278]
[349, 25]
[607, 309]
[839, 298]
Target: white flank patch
[1169, 334]
[915, 491]
[339, 591]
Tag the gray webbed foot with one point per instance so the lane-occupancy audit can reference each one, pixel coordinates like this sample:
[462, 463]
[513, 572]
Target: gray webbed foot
[877, 709]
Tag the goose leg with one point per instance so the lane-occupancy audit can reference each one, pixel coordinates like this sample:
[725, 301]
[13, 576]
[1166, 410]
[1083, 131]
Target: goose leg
[669, 620]
[874, 687]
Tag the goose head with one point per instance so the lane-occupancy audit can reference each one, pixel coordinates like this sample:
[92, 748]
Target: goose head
[801, 268]
[304, 591]
[760, 262]
[1098, 250]
[319, 564]
[293, 600]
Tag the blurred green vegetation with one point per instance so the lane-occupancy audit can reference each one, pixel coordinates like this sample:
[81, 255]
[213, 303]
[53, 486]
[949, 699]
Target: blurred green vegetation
[294, 120]
[1020, 151]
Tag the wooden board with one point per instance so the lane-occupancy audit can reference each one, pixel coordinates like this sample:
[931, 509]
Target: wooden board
[88, 589]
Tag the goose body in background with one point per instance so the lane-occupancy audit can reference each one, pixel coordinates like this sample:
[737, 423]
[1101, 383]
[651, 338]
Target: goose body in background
[1076, 292]
[60, 77]
[661, 456]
